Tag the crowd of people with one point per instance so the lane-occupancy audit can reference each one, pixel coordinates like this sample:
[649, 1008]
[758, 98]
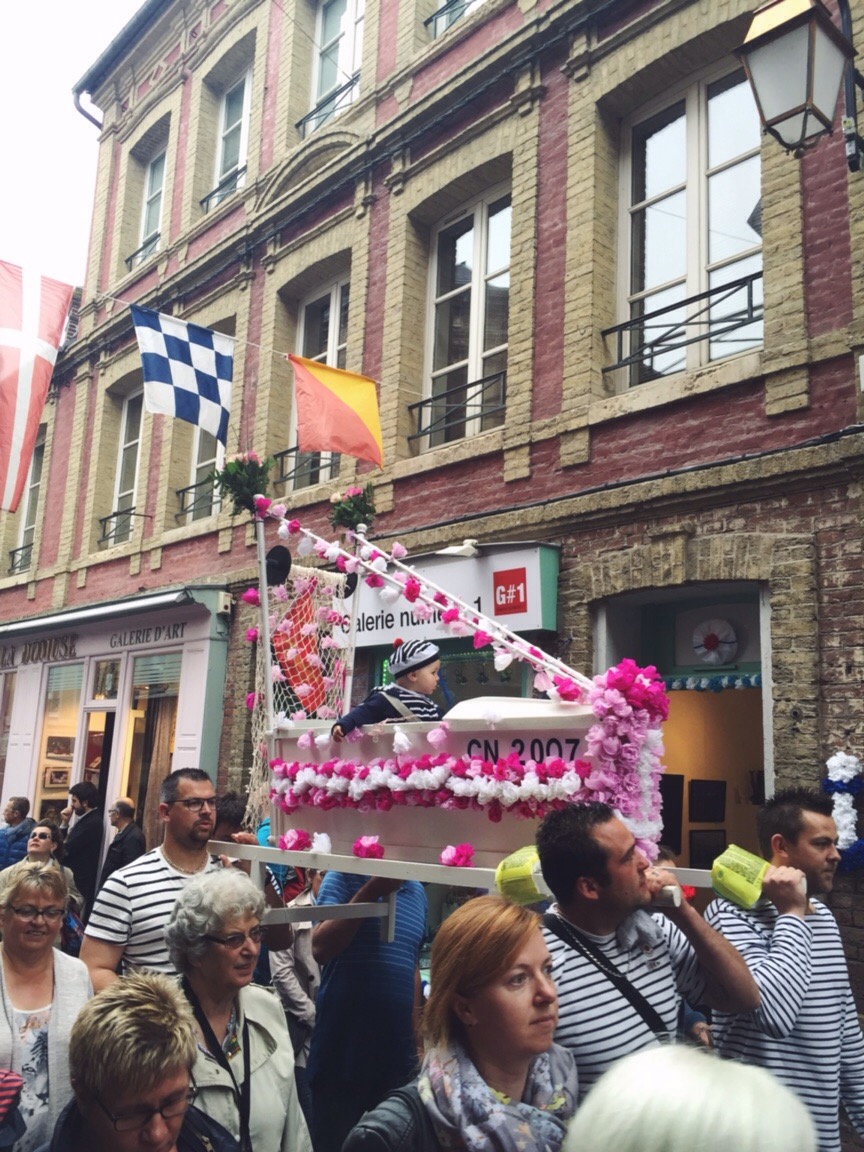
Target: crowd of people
[177, 1030]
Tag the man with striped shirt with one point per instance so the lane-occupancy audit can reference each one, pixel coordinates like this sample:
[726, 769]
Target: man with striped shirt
[806, 1028]
[133, 906]
[603, 884]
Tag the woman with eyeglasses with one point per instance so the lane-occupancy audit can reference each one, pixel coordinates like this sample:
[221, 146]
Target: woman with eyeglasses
[42, 991]
[41, 846]
[244, 1070]
[130, 1058]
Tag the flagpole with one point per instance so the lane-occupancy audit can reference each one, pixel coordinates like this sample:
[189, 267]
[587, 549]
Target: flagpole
[264, 629]
[355, 600]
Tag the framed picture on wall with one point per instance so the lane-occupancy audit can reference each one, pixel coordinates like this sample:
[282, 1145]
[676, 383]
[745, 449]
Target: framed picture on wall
[51, 810]
[91, 776]
[707, 801]
[706, 845]
[60, 747]
[54, 777]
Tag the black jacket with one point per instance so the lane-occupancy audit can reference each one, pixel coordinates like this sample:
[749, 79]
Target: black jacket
[400, 1123]
[127, 845]
[198, 1134]
[81, 853]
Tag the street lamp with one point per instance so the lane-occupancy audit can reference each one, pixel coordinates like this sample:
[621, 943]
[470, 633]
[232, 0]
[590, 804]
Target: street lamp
[795, 58]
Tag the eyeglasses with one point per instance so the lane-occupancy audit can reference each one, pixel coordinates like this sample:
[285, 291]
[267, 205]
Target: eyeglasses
[238, 939]
[135, 1118]
[28, 912]
[40, 836]
[197, 803]
[113, 811]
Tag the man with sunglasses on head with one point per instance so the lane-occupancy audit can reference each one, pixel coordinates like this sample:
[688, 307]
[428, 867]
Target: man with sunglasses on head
[126, 926]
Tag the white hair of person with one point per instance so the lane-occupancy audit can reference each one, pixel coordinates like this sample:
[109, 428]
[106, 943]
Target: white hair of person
[680, 1099]
[205, 905]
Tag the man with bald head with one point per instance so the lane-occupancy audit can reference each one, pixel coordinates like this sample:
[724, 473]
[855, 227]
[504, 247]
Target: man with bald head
[129, 842]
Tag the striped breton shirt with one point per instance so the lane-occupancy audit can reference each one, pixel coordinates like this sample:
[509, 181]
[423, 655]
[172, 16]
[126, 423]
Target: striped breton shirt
[595, 1021]
[806, 1029]
[377, 707]
[133, 907]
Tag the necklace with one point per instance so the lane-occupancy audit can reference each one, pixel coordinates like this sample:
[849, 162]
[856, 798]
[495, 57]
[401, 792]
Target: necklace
[177, 868]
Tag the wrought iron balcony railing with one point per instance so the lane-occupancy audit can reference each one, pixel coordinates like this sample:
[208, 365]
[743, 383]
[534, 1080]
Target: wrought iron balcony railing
[467, 408]
[226, 187]
[20, 559]
[140, 254]
[116, 528]
[652, 345]
[197, 501]
[327, 107]
[445, 16]
[303, 469]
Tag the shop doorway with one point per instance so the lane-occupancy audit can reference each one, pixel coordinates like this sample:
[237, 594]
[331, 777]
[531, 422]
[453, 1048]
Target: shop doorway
[150, 734]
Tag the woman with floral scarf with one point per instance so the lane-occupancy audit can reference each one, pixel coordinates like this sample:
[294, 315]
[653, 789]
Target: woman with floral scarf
[491, 1078]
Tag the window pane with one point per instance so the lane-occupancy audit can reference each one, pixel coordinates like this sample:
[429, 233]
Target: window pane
[152, 216]
[447, 417]
[234, 105]
[734, 210]
[729, 310]
[328, 72]
[456, 256]
[156, 175]
[733, 122]
[316, 327]
[133, 419]
[498, 246]
[497, 306]
[59, 729]
[331, 20]
[452, 325]
[343, 314]
[654, 341]
[492, 398]
[230, 151]
[128, 465]
[659, 243]
[150, 747]
[659, 153]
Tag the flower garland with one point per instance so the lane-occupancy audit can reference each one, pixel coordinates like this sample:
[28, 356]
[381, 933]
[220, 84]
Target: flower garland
[844, 782]
[623, 769]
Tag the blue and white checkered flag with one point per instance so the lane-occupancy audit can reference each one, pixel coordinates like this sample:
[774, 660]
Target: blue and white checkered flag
[187, 370]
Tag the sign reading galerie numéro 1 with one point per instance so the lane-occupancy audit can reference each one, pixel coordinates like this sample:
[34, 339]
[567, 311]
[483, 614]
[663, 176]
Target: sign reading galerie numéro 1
[516, 583]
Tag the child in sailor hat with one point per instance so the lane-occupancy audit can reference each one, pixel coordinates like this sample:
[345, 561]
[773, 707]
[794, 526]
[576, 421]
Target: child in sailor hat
[414, 666]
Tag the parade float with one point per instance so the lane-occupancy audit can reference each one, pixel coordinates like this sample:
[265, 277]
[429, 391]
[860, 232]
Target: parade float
[428, 800]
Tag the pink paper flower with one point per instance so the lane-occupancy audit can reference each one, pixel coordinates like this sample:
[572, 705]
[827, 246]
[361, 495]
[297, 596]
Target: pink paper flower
[441, 599]
[293, 527]
[398, 551]
[449, 615]
[460, 856]
[481, 638]
[251, 635]
[367, 848]
[277, 511]
[295, 840]
[251, 700]
[373, 580]
[262, 505]
[250, 596]
[353, 490]
[567, 689]
[412, 589]
[276, 674]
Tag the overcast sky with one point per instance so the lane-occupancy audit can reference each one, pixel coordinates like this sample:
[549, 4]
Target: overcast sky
[49, 149]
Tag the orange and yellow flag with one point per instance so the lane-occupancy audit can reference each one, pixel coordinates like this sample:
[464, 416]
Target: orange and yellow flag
[337, 411]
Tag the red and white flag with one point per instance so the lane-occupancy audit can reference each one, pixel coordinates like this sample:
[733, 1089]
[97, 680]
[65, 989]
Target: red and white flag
[32, 314]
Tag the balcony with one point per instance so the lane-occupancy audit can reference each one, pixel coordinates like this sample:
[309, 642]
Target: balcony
[653, 345]
[197, 501]
[447, 15]
[461, 411]
[20, 559]
[303, 469]
[117, 527]
[327, 108]
[226, 187]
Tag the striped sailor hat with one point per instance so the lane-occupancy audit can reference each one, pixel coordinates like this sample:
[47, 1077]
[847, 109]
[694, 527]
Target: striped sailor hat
[411, 656]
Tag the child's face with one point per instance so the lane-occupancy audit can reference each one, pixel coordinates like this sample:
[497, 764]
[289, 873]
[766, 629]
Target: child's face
[425, 680]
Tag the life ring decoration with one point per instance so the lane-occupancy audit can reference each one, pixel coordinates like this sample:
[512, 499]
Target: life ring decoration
[715, 642]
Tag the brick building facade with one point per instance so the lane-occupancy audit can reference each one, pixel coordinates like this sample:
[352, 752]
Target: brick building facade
[477, 206]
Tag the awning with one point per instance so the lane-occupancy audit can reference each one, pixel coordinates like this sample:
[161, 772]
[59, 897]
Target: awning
[95, 612]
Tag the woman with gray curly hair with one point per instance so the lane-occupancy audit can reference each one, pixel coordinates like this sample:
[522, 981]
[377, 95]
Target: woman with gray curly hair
[244, 1069]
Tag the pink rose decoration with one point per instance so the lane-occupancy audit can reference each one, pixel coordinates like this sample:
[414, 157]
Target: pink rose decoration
[251, 635]
[293, 527]
[250, 596]
[353, 490]
[398, 551]
[251, 699]
[481, 638]
[295, 840]
[277, 511]
[460, 856]
[438, 736]
[262, 504]
[567, 689]
[412, 589]
[373, 580]
[441, 599]
[449, 615]
[367, 848]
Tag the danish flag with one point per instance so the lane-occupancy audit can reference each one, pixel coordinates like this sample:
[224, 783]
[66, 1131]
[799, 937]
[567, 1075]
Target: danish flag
[32, 314]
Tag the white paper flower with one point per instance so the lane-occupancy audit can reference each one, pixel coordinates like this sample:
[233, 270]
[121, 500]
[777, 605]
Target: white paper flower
[401, 742]
[843, 767]
[321, 843]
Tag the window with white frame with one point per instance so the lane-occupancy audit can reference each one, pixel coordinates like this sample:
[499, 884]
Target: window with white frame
[692, 252]
[232, 139]
[118, 527]
[469, 297]
[151, 216]
[322, 336]
[22, 557]
[339, 48]
[201, 499]
[447, 14]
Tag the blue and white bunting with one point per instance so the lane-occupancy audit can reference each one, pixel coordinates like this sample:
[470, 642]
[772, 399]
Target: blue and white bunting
[187, 370]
